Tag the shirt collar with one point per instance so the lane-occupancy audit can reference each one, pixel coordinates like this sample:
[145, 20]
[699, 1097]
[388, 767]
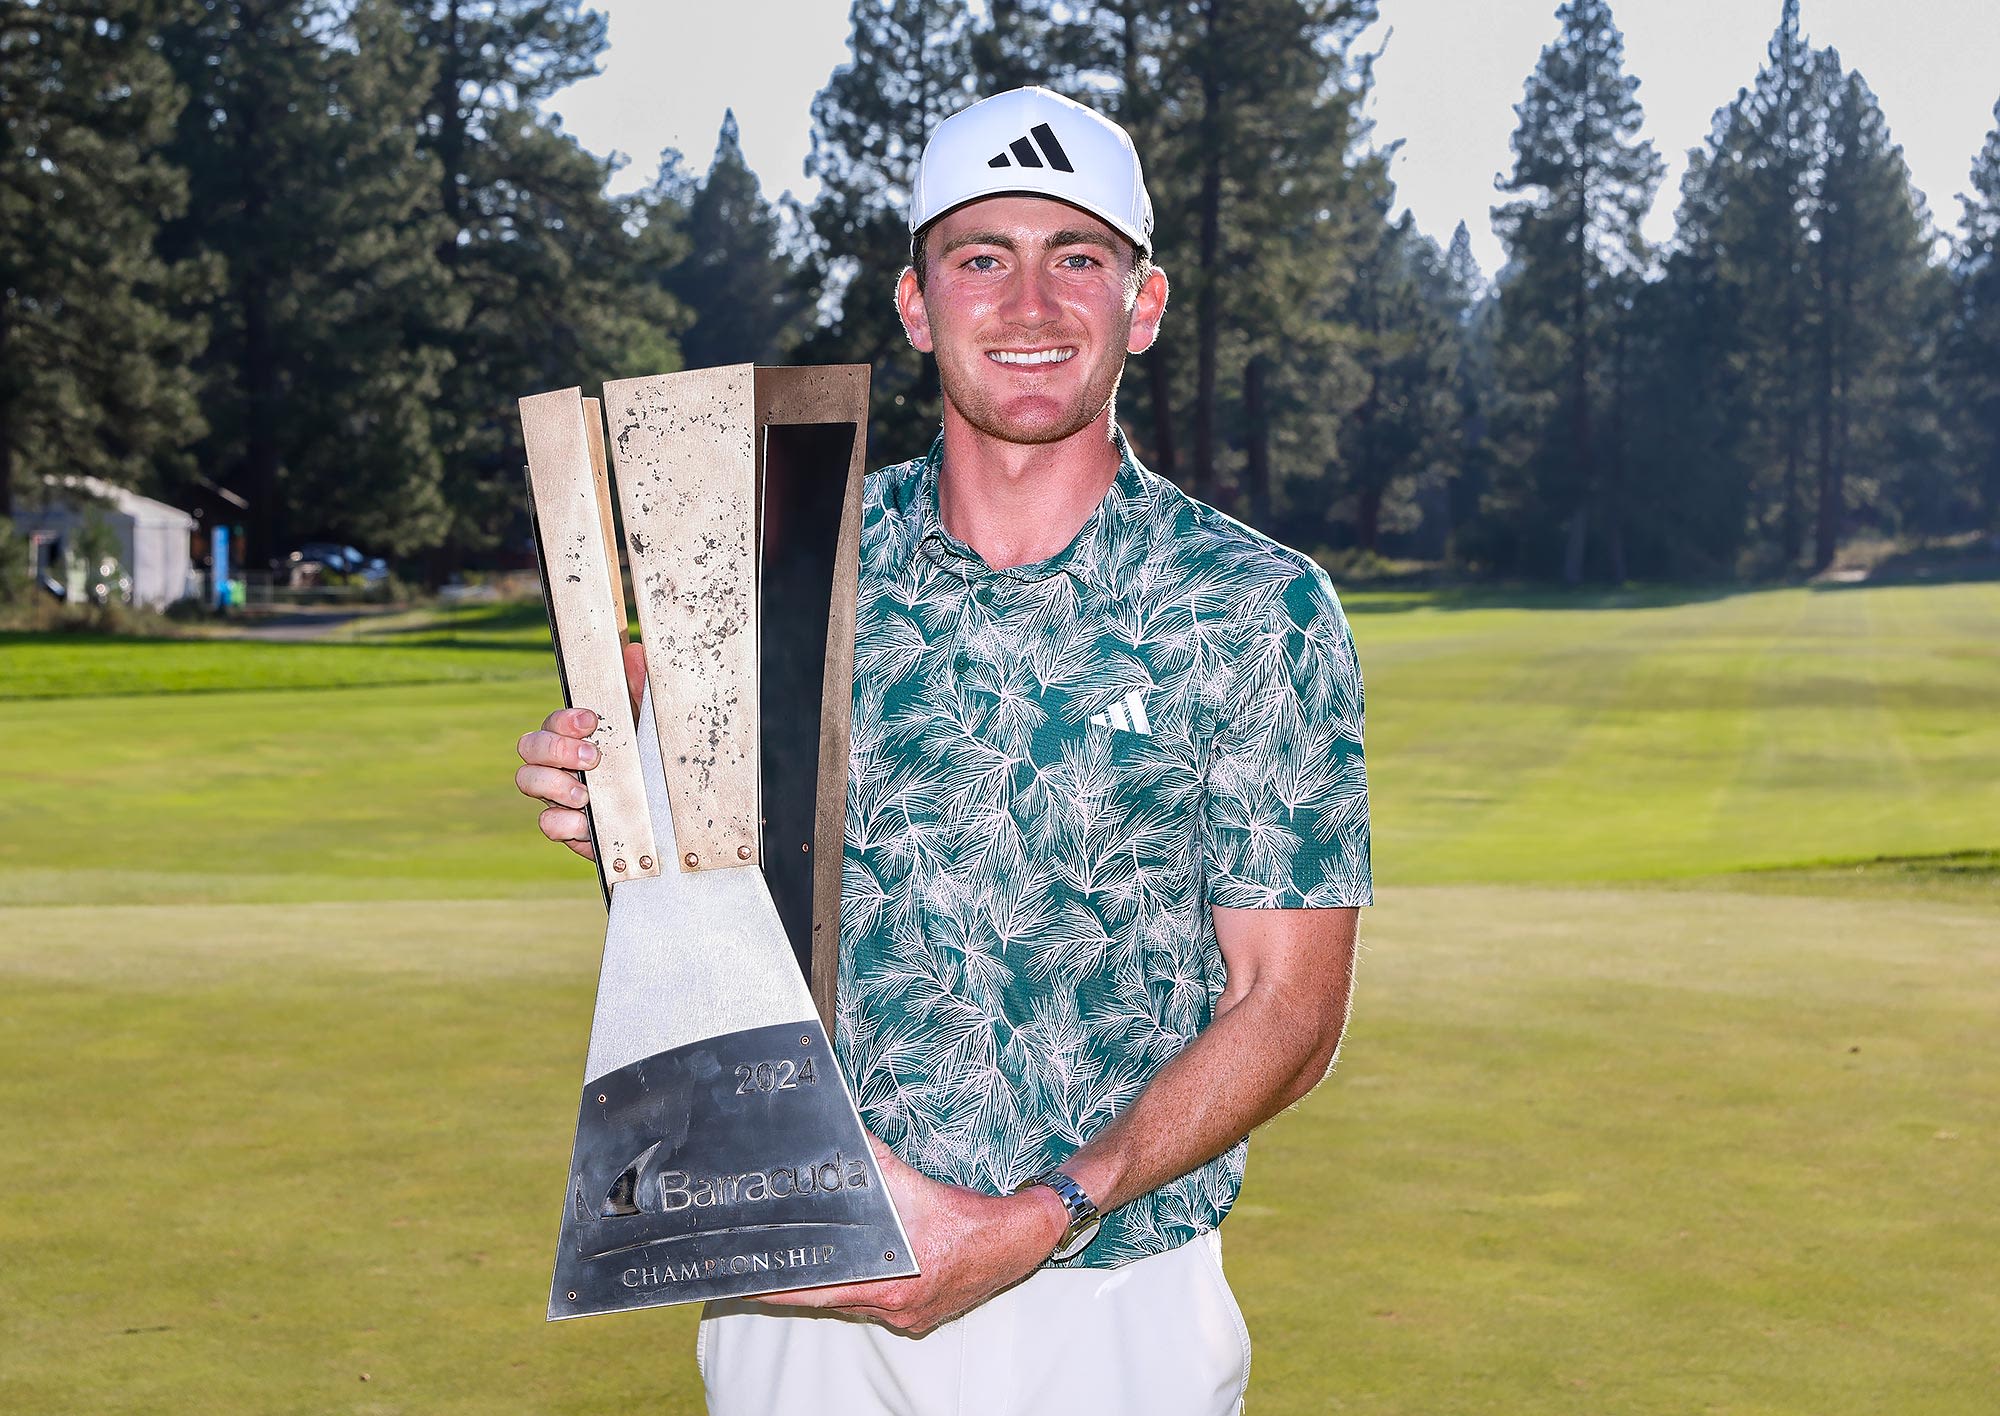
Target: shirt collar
[1110, 539]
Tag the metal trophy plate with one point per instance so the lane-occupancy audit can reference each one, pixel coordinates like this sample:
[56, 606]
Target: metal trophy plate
[718, 1151]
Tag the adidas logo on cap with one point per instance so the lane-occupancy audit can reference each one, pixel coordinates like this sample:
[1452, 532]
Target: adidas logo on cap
[1044, 138]
[1031, 142]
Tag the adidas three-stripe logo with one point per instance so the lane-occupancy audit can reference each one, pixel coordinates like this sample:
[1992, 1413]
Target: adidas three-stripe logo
[1025, 151]
[1127, 715]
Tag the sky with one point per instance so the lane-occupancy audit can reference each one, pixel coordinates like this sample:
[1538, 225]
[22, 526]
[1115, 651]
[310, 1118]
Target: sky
[1450, 73]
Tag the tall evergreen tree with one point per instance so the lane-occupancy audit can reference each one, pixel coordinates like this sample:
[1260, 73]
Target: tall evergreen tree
[1396, 440]
[93, 356]
[538, 260]
[1471, 294]
[1690, 494]
[1814, 284]
[299, 143]
[1871, 280]
[1975, 347]
[1271, 209]
[745, 293]
[1583, 181]
[910, 67]
[1768, 153]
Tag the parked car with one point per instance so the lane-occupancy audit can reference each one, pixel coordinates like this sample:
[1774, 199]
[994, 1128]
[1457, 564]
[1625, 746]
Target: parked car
[321, 562]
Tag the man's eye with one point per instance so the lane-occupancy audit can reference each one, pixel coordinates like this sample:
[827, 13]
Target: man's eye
[1078, 261]
[990, 262]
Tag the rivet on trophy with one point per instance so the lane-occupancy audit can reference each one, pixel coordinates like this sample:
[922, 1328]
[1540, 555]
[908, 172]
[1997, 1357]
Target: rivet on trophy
[619, 864]
[645, 862]
[690, 860]
[743, 853]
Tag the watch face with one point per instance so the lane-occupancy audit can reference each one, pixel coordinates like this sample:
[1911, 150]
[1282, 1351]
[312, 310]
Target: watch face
[1076, 1241]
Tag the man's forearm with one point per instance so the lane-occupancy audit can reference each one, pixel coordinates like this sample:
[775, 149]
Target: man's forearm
[1263, 1052]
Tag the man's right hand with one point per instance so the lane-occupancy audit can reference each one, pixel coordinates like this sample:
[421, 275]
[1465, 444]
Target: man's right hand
[553, 754]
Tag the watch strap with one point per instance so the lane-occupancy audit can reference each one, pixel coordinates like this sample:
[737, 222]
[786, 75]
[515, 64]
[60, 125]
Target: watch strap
[1083, 1214]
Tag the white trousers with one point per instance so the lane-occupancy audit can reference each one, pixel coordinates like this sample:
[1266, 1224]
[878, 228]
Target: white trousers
[1161, 1336]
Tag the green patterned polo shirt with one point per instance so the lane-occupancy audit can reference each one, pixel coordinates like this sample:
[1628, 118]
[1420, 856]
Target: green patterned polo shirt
[1056, 769]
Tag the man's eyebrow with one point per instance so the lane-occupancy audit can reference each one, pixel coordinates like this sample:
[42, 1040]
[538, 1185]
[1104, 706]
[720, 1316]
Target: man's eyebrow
[978, 238]
[1081, 238]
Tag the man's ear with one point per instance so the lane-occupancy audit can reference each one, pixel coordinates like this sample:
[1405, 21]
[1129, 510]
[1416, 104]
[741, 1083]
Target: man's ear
[910, 305]
[1147, 312]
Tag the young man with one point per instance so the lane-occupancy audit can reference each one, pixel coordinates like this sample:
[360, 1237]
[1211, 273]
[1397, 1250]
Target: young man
[1107, 837]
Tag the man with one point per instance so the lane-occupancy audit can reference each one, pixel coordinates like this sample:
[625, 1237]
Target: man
[1107, 837]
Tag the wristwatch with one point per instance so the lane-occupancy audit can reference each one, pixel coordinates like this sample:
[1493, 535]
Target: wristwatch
[1083, 1215]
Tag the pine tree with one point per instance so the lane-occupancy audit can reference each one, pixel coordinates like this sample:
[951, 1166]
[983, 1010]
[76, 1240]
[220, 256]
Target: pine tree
[1870, 279]
[540, 264]
[1406, 312]
[745, 293]
[1471, 295]
[910, 67]
[1268, 211]
[1691, 473]
[1975, 342]
[93, 354]
[1583, 180]
[306, 189]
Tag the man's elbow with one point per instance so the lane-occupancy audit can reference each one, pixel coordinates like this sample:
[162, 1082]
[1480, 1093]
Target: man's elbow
[1322, 1052]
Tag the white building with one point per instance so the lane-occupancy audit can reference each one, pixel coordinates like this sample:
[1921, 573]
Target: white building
[152, 537]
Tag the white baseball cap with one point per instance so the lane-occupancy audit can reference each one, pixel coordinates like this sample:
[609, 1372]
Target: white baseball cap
[1037, 143]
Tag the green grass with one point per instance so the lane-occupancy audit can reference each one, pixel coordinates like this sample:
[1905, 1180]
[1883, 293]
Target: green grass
[1678, 739]
[1673, 1083]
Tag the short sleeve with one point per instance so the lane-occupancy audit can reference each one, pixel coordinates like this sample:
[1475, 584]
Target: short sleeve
[1286, 820]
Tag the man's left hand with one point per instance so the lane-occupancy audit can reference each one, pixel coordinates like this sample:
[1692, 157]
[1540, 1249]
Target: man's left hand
[969, 1247]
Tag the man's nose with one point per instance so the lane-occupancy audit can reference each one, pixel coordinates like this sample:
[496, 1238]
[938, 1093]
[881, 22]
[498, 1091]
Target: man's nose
[1029, 299]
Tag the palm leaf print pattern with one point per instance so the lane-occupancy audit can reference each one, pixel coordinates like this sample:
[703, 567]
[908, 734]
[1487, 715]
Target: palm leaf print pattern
[1029, 863]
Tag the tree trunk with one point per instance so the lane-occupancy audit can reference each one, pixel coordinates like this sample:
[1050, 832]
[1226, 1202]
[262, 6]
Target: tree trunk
[1612, 504]
[6, 426]
[1208, 307]
[1257, 444]
[1584, 472]
[449, 99]
[1160, 385]
[1789, 531]
[1578, 539]
[1826, 521]
[256, 374]
[1368, 517]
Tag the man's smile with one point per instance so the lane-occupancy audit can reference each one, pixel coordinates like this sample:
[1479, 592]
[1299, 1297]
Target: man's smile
[1057, 355]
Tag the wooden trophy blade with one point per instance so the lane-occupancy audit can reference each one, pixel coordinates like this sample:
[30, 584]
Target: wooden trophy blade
[567, 506]
[684, 452]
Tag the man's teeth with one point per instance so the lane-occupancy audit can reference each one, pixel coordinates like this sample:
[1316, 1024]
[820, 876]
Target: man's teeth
[1040, 356]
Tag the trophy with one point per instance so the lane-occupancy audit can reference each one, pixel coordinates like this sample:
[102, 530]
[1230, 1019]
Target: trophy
[718, 1150]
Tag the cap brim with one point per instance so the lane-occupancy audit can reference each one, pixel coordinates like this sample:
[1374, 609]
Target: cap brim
[1004, 188]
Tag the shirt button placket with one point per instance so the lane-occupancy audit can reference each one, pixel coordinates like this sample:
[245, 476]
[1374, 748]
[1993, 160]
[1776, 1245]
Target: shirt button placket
[972, 622]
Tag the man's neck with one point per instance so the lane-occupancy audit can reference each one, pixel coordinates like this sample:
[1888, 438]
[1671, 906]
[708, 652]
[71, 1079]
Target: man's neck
[1018, 503]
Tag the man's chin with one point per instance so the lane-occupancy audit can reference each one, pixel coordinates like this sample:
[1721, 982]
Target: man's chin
[1030, 422]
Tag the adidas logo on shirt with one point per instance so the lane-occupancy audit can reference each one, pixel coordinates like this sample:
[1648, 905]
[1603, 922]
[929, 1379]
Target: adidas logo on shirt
[1127, 715]
[1040, 142]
